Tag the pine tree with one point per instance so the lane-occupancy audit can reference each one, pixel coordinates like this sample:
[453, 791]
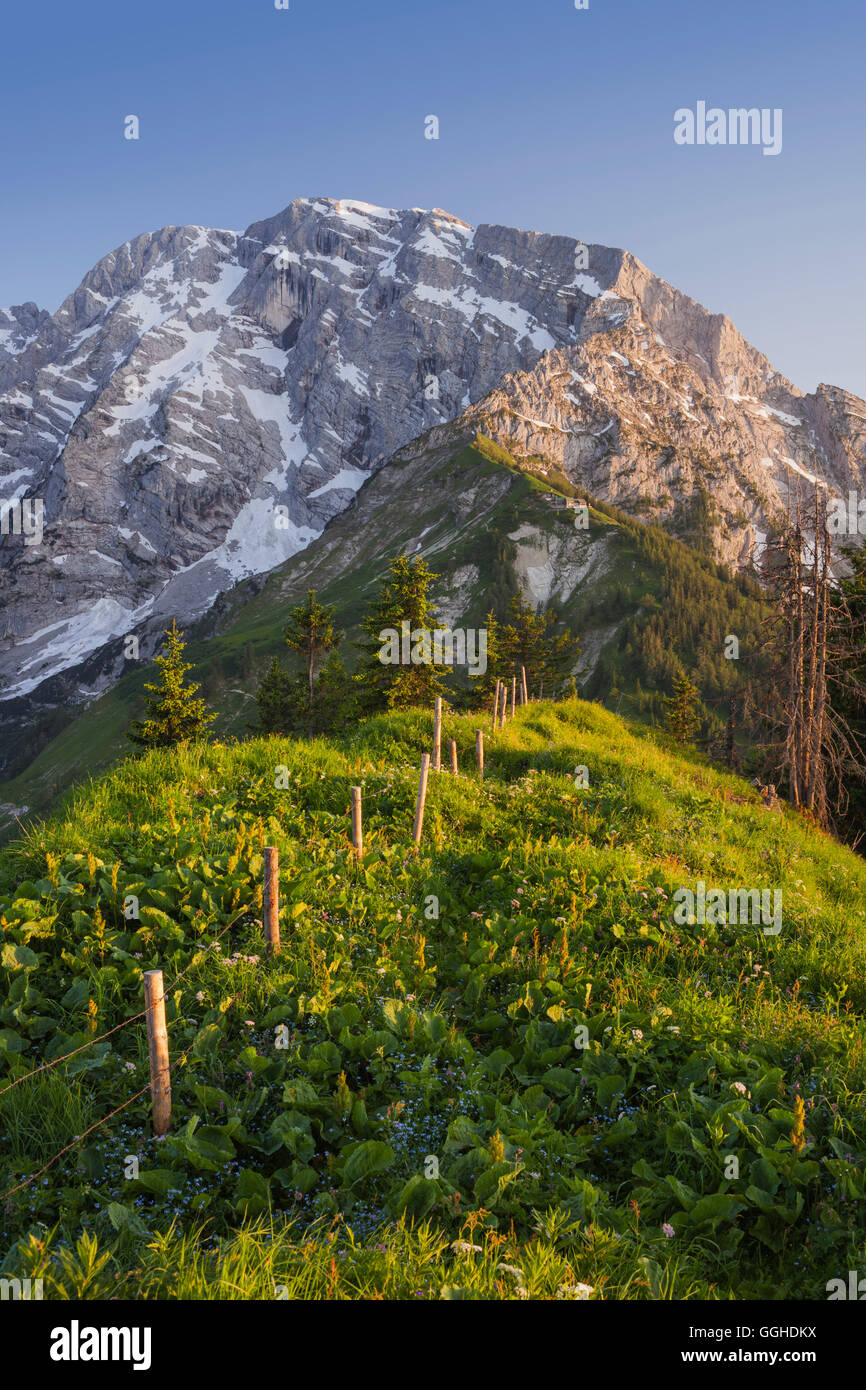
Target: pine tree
[681, 709]
[172, 715]
[336, 696]
[311, 633]
[530, 639]
[484, 687]
[276, 700]
[403, 598]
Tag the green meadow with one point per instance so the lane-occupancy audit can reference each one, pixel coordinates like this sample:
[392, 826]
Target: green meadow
[493, 1067]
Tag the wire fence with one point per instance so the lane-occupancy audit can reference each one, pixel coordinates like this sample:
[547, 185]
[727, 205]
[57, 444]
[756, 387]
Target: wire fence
[135, 1018]
[47, 1066]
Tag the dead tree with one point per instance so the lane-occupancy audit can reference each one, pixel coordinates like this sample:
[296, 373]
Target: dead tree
[814, 635]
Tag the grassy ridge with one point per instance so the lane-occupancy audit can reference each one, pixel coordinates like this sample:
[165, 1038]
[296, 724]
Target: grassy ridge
[644, 602]
[430, 1005]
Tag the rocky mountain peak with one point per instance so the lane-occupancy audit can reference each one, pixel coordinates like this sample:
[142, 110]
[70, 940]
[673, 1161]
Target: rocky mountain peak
[206, 401]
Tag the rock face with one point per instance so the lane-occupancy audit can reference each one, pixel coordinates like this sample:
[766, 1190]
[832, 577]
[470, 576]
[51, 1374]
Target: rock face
[659, 401]
[206, 401]
[19, 327]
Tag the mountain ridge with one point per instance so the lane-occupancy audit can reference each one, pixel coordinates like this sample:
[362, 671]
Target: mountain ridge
[206, 401]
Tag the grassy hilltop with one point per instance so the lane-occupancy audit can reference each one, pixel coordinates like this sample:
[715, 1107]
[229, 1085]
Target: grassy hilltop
[431, 1129]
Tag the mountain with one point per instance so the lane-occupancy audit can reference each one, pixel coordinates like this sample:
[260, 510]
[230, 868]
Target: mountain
[206, 402]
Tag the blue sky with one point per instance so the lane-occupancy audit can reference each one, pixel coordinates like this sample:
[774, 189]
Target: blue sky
[550, 118]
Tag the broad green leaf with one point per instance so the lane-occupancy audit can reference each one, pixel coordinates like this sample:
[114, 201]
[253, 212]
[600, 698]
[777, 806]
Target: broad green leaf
[366, 1159]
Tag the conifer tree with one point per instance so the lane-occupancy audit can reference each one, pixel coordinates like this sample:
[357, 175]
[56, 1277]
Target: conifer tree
[172, 714]
[385, 678]
[681, 709]
[311, 633]
[498, 665]
[275, 699]
[530, 639]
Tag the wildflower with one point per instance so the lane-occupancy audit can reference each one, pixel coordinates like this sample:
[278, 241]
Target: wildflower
[668, 1229]
[575, 1291]
[249, 1023]
[463, 1247]
[738, 1086]
[129, 1066]
[200, 996]
[521, 1292]
[636, 1033]
[511, 1269]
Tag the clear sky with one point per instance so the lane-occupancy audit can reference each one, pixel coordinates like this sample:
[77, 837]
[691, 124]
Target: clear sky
[551, 118]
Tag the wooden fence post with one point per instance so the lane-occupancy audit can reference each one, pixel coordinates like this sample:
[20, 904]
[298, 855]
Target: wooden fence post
[453, 747]
[525, 687]
[157, 1049]
[271, 901]
[513, 694]
[496, 704]
[357, 824]
[479, 751]
[437, 735]
[503, 705]
[422, 798]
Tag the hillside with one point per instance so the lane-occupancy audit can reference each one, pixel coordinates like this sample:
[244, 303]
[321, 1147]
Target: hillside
[515, 1002]
[639, 601]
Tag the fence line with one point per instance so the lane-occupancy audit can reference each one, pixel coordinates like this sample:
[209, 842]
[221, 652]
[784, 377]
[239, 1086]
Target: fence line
[270, 898]
[91, 1042]
[77, 1140]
